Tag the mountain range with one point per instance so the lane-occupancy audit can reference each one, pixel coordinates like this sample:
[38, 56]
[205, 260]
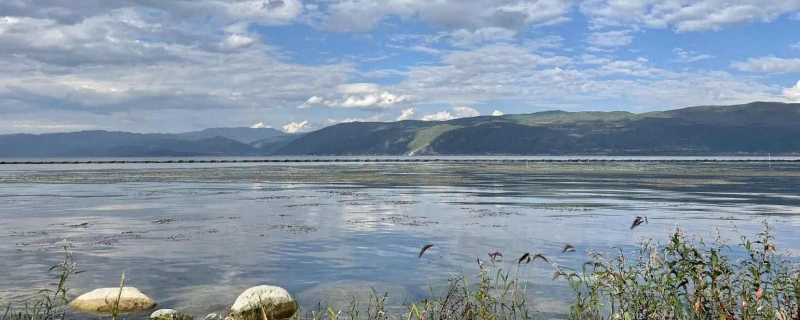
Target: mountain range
[747, 129]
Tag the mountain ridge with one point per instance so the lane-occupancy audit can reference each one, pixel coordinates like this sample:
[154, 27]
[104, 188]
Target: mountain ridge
[685, 131]
[752, 128]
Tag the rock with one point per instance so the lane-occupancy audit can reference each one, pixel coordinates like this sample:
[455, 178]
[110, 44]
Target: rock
[212, 316]
[102, 301]
[254, 303]
[169, 314]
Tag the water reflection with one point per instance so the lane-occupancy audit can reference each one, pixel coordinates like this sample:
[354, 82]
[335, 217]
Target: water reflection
[193, 238]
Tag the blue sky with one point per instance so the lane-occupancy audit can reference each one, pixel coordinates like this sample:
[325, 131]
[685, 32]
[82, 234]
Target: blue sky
[299, 65]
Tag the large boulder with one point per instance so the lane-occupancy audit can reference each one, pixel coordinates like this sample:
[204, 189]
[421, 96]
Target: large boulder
[257, 302]
[103, 301]
[169, 314]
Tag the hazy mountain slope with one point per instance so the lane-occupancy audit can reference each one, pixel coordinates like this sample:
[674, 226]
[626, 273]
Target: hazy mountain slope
[754, 128]
[357, 138]
[106, 143]
[270, 145]
[243, 134]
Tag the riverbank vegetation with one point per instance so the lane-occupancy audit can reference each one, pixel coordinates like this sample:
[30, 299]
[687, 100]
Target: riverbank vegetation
[680, 278]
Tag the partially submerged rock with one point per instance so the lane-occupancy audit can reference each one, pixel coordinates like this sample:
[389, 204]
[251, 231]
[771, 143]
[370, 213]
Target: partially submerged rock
[263, 301]
[169, 314]
[104, 300]
[212, 316]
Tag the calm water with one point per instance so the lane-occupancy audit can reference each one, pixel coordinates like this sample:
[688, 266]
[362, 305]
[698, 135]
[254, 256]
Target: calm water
[194, 236]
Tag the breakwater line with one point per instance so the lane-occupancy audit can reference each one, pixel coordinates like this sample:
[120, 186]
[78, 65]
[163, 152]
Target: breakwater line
[404, 160]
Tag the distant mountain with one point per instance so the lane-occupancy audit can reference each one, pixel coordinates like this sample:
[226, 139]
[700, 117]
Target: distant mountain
[243, 134]
[117, 144]
[754, 128]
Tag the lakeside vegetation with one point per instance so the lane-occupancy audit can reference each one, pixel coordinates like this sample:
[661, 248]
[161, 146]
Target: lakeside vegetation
[679, 279]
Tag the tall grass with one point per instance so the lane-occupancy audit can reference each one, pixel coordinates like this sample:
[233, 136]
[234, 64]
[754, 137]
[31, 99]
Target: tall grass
[47, 304]
[496, 295]
[688, 280]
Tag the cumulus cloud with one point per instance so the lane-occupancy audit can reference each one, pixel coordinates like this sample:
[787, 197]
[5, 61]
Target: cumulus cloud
[358, 95]
[439, 116]
[610, 39]
[687, 56]
[263, 11]
[465, 112]
[294, 127]
[793, 93]
[514, 73]
[768, 65]
[236, 41]
[259, 125]
[115, 64]
[364, 15]
[454, 113]
[683, 15]
[406, 114]
[471, 38]
[497, 113]
[201, 63]
[269, 12]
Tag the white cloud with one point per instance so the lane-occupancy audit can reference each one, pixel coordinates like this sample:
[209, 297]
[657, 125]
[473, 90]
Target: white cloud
[497, 113]
[259, 125]
[364, 15]
[115, 66]
[200, 63]
[796, 46]
[610, 39]
[358, 88]
[439, 116]
[236, 41]
[454, 113]
[793, 93]
[465, 112]
[263, 11]
[768, 65]
[685, 15]
[358, 95]
[514, 74]
[406, 114]
[471, 38]
[687, 56]
[294, 127]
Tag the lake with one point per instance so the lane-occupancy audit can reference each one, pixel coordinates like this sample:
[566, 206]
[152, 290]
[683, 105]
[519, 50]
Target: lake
[193, 236]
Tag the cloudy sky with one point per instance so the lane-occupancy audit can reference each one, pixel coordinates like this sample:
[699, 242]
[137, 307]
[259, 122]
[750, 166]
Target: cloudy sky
[298, 65]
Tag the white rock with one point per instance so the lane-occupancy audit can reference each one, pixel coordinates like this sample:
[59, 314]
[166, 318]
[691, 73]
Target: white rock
[254, 303]
[212, 316]
[169, 314]
[102, 301]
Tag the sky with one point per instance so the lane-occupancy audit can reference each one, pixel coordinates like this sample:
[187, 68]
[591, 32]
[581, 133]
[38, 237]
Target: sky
[300, 65]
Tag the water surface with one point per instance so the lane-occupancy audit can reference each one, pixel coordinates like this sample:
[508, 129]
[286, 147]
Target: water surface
[194, 236]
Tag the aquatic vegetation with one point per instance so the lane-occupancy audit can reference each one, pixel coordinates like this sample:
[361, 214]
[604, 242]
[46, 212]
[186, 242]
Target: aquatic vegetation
[679, 279]
[497, 295]
[48, 304]
[688, 280]
[682, 279]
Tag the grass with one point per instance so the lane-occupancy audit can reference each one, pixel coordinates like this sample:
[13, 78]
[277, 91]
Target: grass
[48, 304]
[689, 280]
[424, 137]
[680, 279]
[496, 295]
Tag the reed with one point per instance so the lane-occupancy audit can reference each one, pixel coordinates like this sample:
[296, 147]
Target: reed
[680, 279]
[687, 279]
[47, 304]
